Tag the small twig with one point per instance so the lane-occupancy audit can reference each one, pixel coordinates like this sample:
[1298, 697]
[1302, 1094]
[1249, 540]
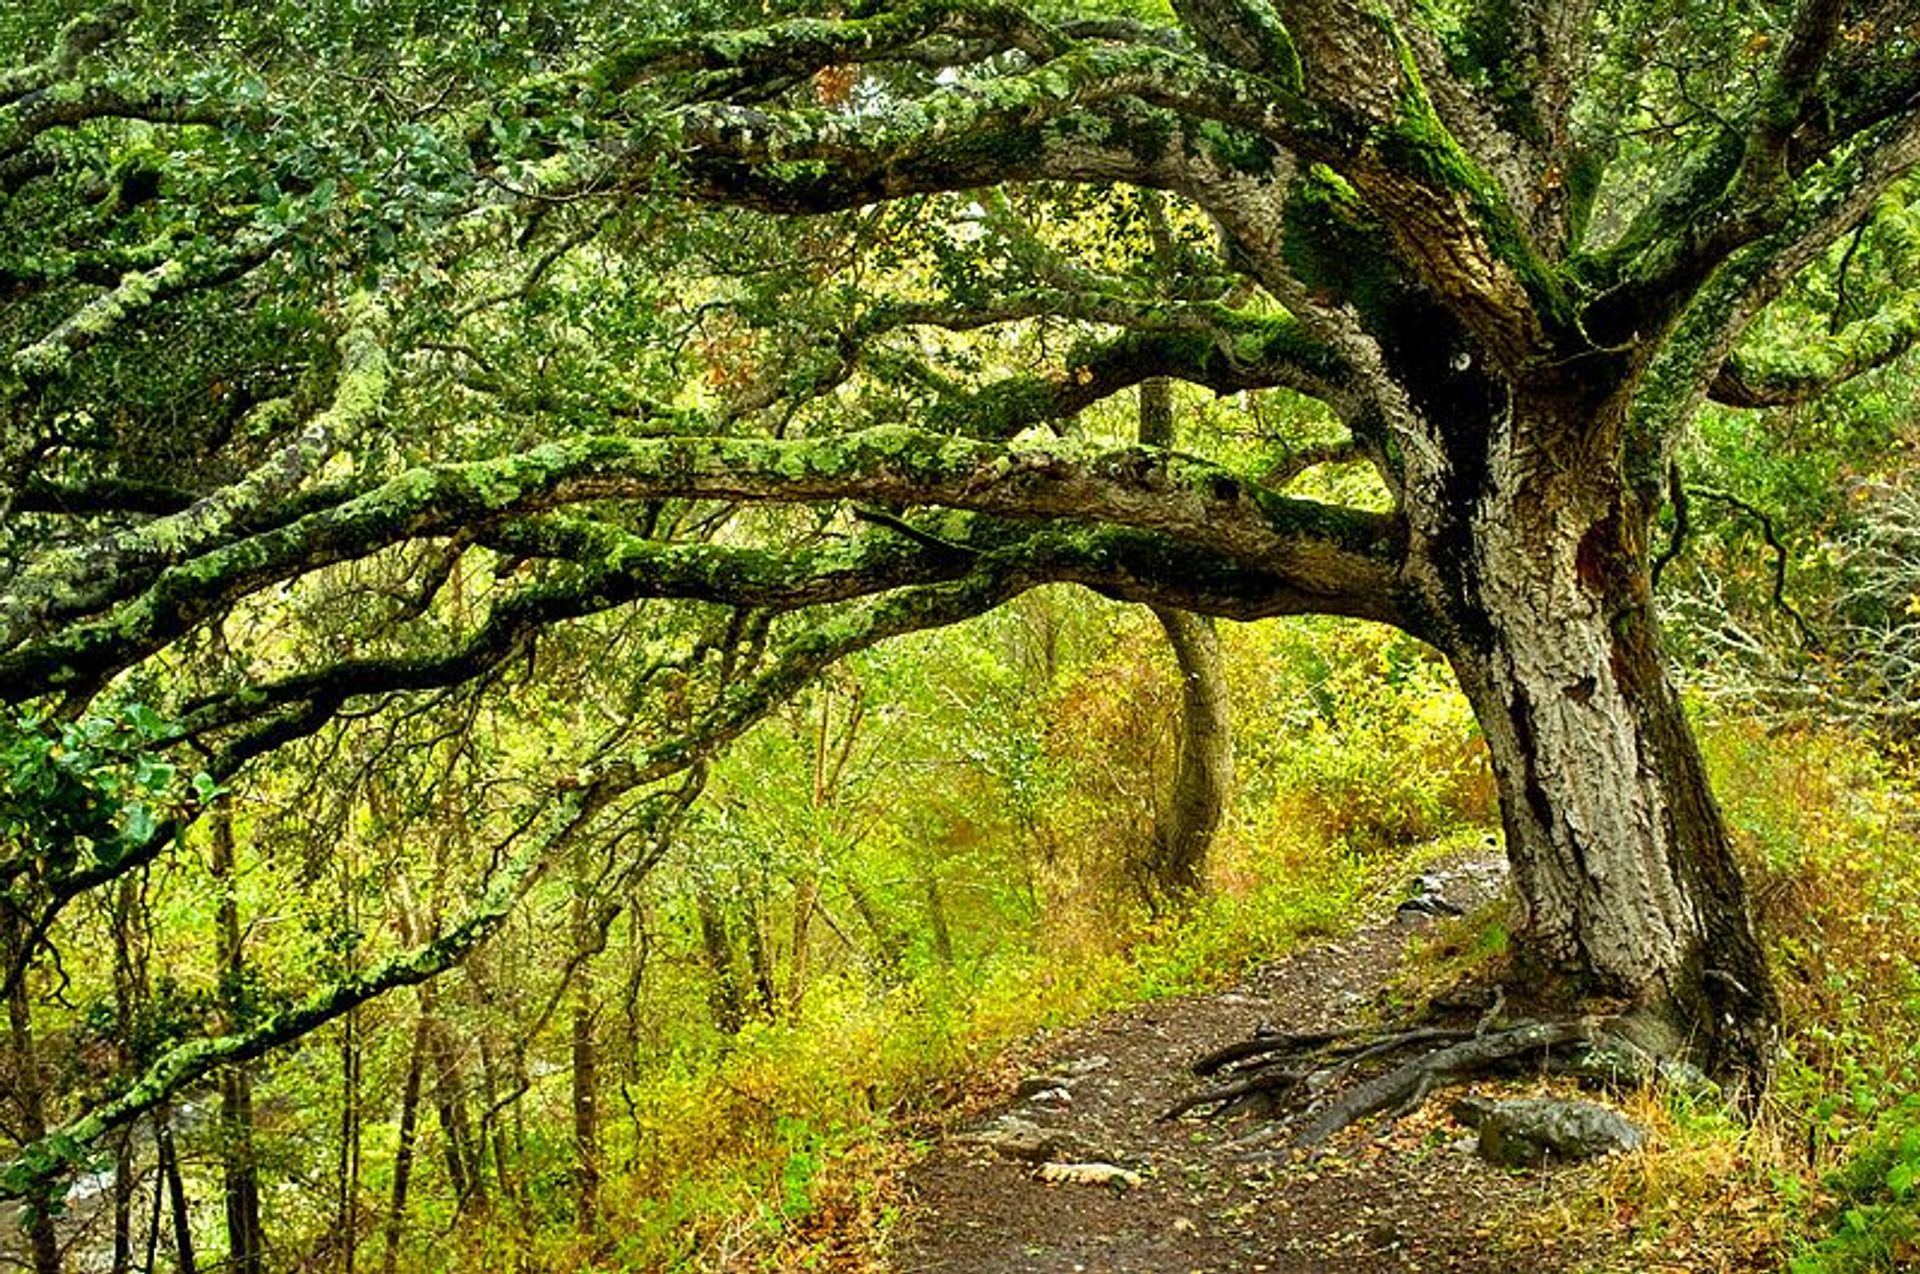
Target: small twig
[922, 538]
[1682, 522]
[1772, 539]
[1492, 1015]
[1837, 319]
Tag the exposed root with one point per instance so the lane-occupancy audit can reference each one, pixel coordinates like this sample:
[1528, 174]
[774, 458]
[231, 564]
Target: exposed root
[1261, 1044]
[1403, 1089]
[1318, 1061]
[1325, 1075]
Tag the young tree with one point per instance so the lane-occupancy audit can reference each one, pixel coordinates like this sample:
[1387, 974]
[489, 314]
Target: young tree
[550, 328]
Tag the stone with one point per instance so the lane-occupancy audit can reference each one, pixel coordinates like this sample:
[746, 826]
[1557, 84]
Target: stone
[1089, 1174]
[1061, 1075]
[1080, 1066]
[1051, 1098]
[1528, 1132]
[1015, 1138]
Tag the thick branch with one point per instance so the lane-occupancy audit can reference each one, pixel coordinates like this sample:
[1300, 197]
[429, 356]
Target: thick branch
[1697, 350]
[64, 105]
[1319, 547]
[137, 292]
[79, 38]
[81, 581]
[1807, 372]
[723, 63]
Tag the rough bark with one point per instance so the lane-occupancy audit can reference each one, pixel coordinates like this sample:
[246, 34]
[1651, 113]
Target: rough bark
[29, 1101]
[724, 997]
[466, 1170]
[403, 1152]
[177, 1206]
[1621, 860]
[1414, 201]
[589, 937]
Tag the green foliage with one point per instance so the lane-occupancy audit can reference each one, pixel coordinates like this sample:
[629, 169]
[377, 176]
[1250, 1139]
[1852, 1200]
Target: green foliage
[1358, 736]
[78, 794]
[404, 664]
[1878, 1226]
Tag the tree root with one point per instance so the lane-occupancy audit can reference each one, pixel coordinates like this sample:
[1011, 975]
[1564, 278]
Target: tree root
[1322, 1071]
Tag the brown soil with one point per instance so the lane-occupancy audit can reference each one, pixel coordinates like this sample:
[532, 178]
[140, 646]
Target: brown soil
[1405, 1197]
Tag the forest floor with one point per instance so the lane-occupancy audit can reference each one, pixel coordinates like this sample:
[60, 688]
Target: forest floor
[1409, 1196]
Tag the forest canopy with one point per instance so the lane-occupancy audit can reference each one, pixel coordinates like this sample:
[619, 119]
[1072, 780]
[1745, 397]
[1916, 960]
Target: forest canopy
[446, 430]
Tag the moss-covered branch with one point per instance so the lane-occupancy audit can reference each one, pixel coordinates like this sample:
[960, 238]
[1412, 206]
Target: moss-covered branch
[1206, 344]
[1193, 500]
[71, 102]
[78, 39]
[1781, 378]
[84, 579]
[1696, 353]
[137, 292]
[718, 63]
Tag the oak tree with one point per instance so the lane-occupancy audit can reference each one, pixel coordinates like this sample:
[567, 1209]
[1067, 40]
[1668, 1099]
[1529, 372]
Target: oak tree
[799, 326]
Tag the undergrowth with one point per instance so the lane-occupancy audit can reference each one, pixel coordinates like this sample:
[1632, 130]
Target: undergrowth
[1823, 1182]
[781, 1147]
[784, 1153]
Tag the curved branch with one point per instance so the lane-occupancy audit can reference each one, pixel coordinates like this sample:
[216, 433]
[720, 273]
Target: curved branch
[1806, 373]
[1319, 546]
[1210, 346]
[1697, 350]
[136, 292]
[76, 41]
[1779, 550]
[723, 63]
[67, 104]
[60, 1153]
[83, 580]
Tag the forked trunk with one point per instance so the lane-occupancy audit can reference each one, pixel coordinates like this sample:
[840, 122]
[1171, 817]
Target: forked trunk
[1620, 856]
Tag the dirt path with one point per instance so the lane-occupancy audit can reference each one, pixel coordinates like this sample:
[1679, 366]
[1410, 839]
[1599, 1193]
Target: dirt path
[1411, 1198]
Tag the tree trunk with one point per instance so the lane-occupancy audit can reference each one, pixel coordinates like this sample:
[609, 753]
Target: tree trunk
[29, 1099]
[586, 1119]
[246, 1248]
[129, 986]
[937, 919]
[492, 1137]
[464, 1166]
[889, 943]
[1175, 865]
[723, 967]
[1203, 761]
[124, 1184]
[806, 896]
[404, 1145]
[1620, 857]
[759, 956]
[347, 1177]
[588, 939]
[178, 1207]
